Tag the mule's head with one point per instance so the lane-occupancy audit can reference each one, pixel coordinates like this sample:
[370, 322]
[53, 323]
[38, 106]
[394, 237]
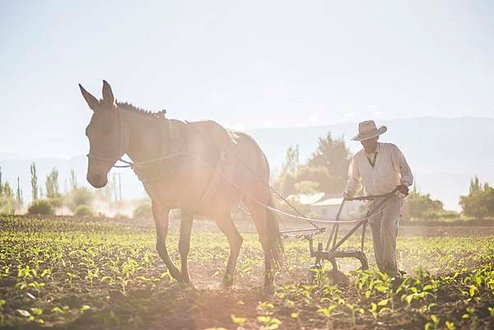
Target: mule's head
[105, 134]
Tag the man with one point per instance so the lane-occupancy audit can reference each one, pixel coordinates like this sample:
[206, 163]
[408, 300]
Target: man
[380, 168]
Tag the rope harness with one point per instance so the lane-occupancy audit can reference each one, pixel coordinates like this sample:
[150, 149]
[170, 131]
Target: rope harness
[139, 166]
[299, 216]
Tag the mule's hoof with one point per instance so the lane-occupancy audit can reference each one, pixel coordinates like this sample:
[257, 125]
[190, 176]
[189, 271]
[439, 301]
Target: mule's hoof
[185, 282]
[268, 290]
[187, 285]
[228, 281]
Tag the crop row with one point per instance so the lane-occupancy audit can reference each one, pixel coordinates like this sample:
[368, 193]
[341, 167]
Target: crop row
[89, 273]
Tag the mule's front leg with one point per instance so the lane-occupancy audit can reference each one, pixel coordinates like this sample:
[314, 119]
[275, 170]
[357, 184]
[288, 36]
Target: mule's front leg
[184, 242]
[160, 215]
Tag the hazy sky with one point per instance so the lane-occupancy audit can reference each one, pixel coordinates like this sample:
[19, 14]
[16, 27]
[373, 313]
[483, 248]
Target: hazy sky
[246, 64]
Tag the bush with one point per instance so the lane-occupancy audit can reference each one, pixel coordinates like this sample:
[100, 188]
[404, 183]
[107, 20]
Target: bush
[7, 205]
[56, 202]
[84, 211]
[78, 197]
[120, 216]
[422, 206]
[142, 211]
[479, 203]
[40, 207]
[448, 215]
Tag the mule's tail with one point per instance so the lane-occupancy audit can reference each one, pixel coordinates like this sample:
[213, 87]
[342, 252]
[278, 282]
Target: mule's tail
[276, 242]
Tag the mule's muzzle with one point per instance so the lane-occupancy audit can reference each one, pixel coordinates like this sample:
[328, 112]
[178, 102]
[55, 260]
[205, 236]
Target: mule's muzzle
[97, 180]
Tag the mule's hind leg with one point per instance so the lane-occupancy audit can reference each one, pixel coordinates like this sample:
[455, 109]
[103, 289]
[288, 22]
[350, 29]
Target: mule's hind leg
[259, 216]
[226, 225]
[184, 243]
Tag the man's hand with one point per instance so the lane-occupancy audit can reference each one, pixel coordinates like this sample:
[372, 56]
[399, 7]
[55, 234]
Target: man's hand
[402, 189]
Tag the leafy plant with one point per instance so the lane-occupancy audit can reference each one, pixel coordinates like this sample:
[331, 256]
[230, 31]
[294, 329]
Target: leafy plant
[84, 211]
[40, 207]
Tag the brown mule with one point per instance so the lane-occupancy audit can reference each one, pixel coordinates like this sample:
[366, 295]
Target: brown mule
[199, 168]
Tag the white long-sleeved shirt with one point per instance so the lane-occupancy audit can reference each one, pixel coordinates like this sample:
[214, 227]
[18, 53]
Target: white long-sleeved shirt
[390, 169]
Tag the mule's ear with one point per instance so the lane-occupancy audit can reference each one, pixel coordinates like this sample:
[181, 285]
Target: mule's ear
[107, 93]
[91, 100]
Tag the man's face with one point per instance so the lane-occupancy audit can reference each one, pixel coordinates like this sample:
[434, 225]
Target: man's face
[370, 145]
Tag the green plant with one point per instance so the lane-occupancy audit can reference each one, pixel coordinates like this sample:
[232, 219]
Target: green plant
[84, 211]
[40, 207]
[55, 202]
[423, 206]
[77, 197]
[142, 211]
[479, 202]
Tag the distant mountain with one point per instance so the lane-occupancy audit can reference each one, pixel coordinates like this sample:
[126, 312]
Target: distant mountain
[444, 154]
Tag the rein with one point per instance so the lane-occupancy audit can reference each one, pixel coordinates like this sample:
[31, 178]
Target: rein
[300, 216]
[133, 165]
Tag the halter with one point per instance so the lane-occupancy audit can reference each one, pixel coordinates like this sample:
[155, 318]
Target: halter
[113, 160]
[129, 164]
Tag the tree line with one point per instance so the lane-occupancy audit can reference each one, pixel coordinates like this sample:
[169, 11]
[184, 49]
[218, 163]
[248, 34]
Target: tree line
[48, 198]
[324, 171]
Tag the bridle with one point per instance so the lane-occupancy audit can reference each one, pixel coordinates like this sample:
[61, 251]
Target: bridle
[128, 164]
[113, 160]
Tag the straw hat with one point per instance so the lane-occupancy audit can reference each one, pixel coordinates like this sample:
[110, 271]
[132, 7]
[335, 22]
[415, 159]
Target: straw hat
[367, 130]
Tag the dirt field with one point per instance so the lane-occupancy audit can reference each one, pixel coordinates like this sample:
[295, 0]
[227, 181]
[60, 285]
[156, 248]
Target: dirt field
[100, 273]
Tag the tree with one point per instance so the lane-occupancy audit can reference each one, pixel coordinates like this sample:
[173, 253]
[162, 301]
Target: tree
[476, 186]
[328, 165]
[325, 171]
[423, 206]
[7, 199]
[7, 203]
[52, 187]
[321, 178]
[7, 190]
[307, 187]
[1, 182]
[18, 197]
[285, 182]
[479, 203]
[73, 180]
[34, 182]
[333, 155]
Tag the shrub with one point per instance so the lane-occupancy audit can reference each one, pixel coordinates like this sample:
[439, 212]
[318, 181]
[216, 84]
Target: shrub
[84, 211]
[120, 216]
[142, 211]
[423, 206]
[77, 197]
[479, 203]
[7, 205]
[41, 207]
[448, 215]
[56, 202]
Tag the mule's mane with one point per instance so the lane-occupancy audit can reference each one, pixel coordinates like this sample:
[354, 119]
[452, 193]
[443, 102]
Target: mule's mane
[129, 107]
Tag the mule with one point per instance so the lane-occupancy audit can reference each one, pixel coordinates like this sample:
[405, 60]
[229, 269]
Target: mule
[198, 167]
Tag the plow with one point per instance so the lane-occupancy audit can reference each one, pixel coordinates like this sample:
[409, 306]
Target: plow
[332, 249]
